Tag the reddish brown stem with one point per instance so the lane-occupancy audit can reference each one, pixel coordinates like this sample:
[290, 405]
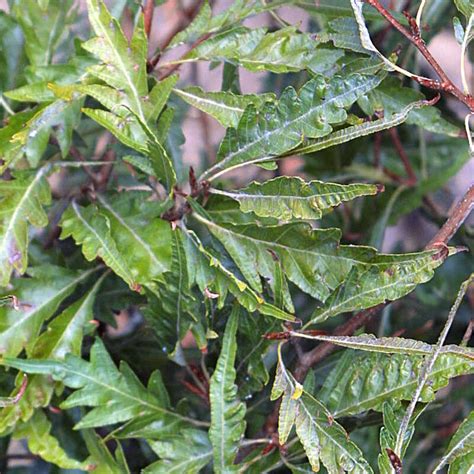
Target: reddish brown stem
[148, 11]
[445, 84]
[412, 179]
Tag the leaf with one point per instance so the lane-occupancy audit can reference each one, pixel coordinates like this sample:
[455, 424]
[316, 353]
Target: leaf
[285, 50]
[278, 128]
[460, 447]
[92, 230]
[390, 98]
[22, 201]
[189, 452]
[389, 345]
[115, 395]
[225, 107]
[227, 412]
[42, 443]
[63, 336]
[42, 27]
[384, 278]
[466, 7]
[209, 273]
[39, 298]
[323, 439]
[364, 381]
[134, 224]
[288, 198]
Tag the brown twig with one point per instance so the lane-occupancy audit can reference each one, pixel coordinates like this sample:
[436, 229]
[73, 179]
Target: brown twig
[412, 179]
[148, 11]
[444, 84]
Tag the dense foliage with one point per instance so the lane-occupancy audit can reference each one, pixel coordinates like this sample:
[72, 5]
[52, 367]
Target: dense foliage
[260, 333]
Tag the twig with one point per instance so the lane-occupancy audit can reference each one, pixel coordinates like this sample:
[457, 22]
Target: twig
[148, 11]
[444, 84]
[428, 367]
[412, 179]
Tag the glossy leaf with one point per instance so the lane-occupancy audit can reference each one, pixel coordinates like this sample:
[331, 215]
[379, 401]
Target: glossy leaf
[278, 128]
[364, 381]
[288, 198]
[323, 439]
[225, 107]
[227, 412]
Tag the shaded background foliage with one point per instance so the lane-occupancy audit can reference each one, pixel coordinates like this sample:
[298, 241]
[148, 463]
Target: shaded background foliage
[167, 369]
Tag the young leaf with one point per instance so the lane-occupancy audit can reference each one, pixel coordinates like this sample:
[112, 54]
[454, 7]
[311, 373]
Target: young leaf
[288, 198]
[459, 454]
[227, 412]
[22, 201]
[323, 439]
[115, 395]
[42, 443]
[364, 381]
[187, 453]
[276, 129]
[225, 107]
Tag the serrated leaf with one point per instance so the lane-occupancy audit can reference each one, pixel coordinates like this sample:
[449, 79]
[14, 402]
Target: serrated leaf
[278, 128]
[134, 224]
[389, 345]
[461, 446]
[209, 273]
[115, 395]
[22, 201]
[385, 278]
[39, 297]
[323, 439]
[91, 229]
[285, 50]
[364, 381]
[42, 443]
[63, 335]
[225, 107]
[288, 198]
[227, 412]
[42, 27]
[189, 452]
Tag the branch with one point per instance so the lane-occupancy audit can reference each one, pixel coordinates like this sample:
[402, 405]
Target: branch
[445, 84]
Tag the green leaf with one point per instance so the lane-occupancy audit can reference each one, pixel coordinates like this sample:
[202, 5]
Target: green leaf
[42, 443]
[389, 345]
[187, 453]
[364, 381]
[115, 395]
[288, 198]
[134, 224]
[278, 128]
[225, 107]
[22, 201]
[39, 297]
[63, 336]
[91, 229]
[390, 98]
[43, 28]
[384, 278]
[227, 412]
[460, 449]
[466, 7]
[209, 273]
[285, 50]
[323, 439]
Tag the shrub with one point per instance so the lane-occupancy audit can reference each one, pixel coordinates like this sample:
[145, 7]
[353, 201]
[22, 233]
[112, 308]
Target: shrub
[260, 326]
